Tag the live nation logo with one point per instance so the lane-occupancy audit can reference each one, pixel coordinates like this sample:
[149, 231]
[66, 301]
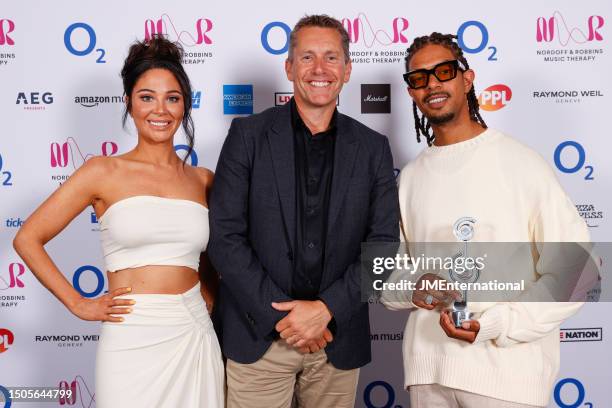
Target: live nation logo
[282, 98]
[587, 334]
[567, 39]
[196, 39]
[377, 41]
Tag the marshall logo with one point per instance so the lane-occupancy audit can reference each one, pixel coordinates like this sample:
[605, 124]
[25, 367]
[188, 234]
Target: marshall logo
[588, 334]
[375, 98]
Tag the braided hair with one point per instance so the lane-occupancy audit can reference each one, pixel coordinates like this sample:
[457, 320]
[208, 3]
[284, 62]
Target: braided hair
[421, 124]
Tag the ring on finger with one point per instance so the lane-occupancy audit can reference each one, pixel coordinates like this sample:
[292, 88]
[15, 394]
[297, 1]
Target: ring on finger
[429, 299]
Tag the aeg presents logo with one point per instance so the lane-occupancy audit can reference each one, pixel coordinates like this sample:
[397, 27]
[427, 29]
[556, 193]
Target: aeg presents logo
[555, 27]
[495, 97]
[203, 26]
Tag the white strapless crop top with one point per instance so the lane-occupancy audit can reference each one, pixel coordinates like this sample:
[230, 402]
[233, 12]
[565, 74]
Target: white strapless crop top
[150, 230]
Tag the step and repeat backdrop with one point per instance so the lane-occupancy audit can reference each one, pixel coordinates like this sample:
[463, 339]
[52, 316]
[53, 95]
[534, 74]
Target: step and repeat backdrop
[542, 75]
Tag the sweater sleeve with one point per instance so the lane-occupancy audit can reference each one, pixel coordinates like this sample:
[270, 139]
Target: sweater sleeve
[562, 274]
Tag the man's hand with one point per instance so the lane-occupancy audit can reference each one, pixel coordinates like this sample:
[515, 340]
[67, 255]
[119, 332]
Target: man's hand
[306, 321]
[316, 345]
[468, 331]
[430, 298]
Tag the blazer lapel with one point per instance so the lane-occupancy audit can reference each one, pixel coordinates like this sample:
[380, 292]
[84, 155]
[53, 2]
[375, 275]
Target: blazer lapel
[280, 140]
[345, 153]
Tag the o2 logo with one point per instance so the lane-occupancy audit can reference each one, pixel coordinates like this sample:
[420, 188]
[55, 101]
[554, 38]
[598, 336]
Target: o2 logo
[276, 25]
[360, 27]
[556, 27]
[98, 275]
[565, 401]
[484, 39]
[568, 168]
[388, 389]
[91, 42]
[62, 153]
[6, 27]
[495, 97]
[193, 157]
[6, 339]
[6, 176]
[15, 270]
[160, 27]
[76, 390]
[6, 396]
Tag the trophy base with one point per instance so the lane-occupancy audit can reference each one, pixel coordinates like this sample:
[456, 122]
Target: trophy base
[460, 316]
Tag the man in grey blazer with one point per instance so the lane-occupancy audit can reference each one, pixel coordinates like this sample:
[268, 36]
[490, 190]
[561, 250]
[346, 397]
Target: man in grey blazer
[298, 188]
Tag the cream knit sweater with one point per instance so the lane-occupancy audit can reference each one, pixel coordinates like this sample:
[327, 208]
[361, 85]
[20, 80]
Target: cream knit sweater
[515, 197]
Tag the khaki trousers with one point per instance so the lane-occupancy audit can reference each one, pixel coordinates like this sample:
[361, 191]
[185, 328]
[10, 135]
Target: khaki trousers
[285, 378]
[438, 396]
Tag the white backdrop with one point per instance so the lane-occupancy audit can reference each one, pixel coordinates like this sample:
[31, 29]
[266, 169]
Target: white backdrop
[542, 75]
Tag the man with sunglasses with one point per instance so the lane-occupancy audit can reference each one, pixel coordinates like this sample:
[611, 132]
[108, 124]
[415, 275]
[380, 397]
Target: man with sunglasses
[509, 355]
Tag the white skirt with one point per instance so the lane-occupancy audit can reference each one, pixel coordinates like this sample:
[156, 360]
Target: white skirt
[164, 354]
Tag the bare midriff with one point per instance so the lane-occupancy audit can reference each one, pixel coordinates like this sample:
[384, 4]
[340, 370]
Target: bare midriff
[160, 279]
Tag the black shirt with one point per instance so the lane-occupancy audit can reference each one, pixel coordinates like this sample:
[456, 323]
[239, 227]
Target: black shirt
[314, 165]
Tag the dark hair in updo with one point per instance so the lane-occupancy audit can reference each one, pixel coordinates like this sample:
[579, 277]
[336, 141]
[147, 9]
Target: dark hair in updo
[158, 52]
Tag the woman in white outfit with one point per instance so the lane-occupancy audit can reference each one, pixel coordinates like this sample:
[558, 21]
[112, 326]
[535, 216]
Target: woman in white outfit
[157, 347]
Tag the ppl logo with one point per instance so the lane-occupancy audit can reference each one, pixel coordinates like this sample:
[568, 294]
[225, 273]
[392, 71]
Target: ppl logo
[160, 27]
[569, 152]
[6, 339]
[90, 274]
[69, 151]
[495, 97]
[555, 27]
[75, 390]
[473, 38]
[6, 27]
[360, 29]
[6, 176]
[196, 97]
[85, 35]
[237, 99]
[15, 270]
[570, 393]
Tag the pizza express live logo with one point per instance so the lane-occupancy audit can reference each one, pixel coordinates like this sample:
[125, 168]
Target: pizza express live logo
[591, 215]
[562, 42]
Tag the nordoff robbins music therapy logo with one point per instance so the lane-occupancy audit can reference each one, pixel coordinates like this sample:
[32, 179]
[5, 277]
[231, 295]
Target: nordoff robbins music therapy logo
[200, 36]
[555, 30]
[6, 41]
